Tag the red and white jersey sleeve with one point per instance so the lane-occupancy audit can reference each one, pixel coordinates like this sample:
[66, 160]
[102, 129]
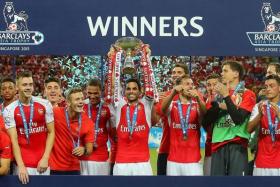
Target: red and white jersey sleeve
[135, 149]
[32, 150]
[9, 111]
[184, 151]
[268, 154]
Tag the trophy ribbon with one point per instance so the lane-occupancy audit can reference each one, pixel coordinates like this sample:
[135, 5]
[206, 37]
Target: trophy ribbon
[117, 75]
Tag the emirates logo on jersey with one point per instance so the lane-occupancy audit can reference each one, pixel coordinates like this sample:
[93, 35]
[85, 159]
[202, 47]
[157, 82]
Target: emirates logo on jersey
[267, 131]
[190, 126]
[33, 130]
[137, 128]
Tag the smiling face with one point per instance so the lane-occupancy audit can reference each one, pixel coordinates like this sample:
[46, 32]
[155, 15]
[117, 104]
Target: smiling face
[53, 92]
[8, 90]
[76, 102]
[25, 87]
[94, 94]
[132, 92]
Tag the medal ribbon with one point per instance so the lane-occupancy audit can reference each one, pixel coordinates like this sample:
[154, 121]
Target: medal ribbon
[27, 126]
[272, 126]
[184, 121]
[134, 119]
[75, 144]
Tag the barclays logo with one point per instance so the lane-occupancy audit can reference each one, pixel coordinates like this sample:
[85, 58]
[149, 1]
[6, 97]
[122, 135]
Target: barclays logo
[271, 34]
[17, 32]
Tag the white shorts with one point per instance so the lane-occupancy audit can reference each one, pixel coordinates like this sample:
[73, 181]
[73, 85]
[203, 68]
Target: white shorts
[32, 171]
[184, 169]
[266, 171]
[94, 168]
[133, 169]
[207, 166]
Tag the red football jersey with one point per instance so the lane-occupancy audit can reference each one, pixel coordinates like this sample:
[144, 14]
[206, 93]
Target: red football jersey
[62, 158]
[33, 150]
[135, 149]
[268, 153]
[101, 152]
[184, 151]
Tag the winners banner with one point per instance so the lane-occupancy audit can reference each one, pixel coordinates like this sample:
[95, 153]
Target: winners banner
[170, 27]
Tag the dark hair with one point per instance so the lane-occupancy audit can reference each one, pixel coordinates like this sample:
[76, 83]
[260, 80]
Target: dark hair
[235, 66]
[276, 65]
[134, 80]
[213, 76]
[179, 80]
[183, 66]
[94, 82]
[24, 74]
[71, 91]
[7, 79]
[274, 77]
[52, 79]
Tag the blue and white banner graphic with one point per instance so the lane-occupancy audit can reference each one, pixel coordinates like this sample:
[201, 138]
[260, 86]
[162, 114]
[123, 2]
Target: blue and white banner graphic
[200, 27]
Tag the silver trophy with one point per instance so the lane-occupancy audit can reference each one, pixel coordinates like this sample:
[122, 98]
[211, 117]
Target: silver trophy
[129, 45]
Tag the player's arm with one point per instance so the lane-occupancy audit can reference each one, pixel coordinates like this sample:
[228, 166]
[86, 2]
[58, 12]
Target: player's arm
[44, 162]
[155, 116]
[4, 166]
[255, 118]
[201, 105]
[238, 115]
[88, 138]
[22, 171]
[167, 101]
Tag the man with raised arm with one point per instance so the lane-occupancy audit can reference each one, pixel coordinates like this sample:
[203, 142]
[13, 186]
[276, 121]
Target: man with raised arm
[184, 116]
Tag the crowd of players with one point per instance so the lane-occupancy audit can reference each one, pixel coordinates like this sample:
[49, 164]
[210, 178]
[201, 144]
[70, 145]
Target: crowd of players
[69, 136]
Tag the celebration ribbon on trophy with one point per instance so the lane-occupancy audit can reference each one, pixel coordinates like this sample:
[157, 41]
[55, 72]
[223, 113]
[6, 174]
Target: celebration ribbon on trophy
[146, 72]
[153, 80]
[117, 76]
[109, 82]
